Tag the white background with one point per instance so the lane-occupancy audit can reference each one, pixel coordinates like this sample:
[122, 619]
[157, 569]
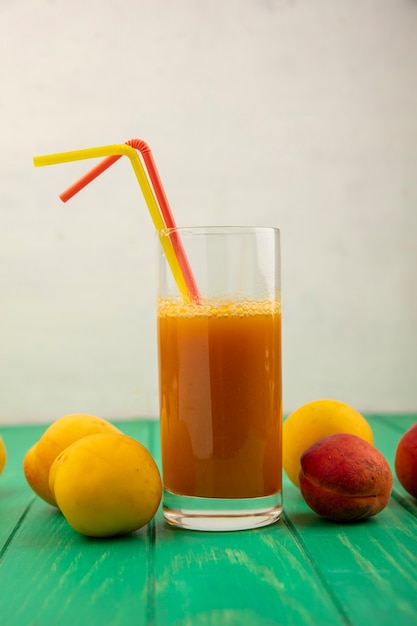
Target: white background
[298, 114]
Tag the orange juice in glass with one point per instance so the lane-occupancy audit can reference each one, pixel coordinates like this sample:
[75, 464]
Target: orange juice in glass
[220, 381]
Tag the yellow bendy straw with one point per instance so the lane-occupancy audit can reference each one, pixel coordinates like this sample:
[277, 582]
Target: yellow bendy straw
[123, 149]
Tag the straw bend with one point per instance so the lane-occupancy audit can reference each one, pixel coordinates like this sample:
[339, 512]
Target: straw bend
[139, 144]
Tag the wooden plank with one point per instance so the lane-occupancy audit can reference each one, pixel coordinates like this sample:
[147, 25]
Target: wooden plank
[369, 567]
[246, 578]
[64, 578]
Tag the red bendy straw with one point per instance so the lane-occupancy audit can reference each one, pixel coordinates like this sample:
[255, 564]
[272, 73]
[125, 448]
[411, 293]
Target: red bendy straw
[144, 149]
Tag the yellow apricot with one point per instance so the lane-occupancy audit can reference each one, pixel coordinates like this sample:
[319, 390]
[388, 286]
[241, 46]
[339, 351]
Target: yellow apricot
[60, 434]
[3, 455]
[315, 420]
[106, 485]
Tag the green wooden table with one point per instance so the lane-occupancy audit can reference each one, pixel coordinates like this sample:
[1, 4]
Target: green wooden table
[302, 570]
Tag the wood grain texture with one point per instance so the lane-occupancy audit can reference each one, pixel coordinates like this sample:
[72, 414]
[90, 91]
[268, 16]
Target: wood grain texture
[301, 571]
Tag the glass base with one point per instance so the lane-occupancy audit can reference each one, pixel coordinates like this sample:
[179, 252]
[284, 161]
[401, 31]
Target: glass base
[219, 514]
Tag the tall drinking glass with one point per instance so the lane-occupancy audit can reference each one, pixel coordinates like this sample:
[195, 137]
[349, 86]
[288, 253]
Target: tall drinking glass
[220, 381]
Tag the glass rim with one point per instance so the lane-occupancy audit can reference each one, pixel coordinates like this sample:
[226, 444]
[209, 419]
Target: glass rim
[219, 230]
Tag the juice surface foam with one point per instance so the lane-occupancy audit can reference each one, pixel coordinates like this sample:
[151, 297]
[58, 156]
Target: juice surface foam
[218, 308]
